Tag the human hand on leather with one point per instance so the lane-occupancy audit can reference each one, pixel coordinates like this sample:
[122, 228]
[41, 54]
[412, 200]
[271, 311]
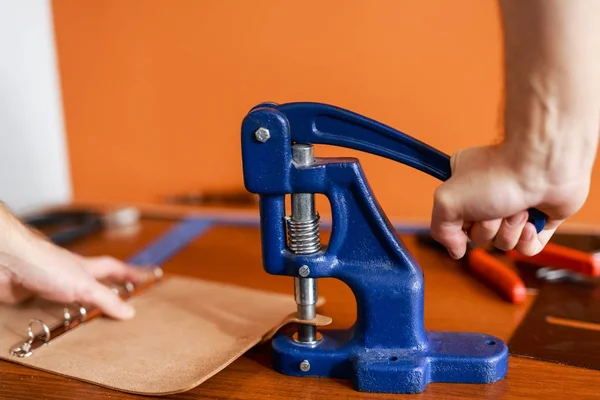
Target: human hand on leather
[551, 127]
[30, 265]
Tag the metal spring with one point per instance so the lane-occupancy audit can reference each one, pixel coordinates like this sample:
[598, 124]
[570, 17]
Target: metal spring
[303, 236]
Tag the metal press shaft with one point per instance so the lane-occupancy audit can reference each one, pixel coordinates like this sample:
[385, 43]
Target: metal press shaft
[306, 241]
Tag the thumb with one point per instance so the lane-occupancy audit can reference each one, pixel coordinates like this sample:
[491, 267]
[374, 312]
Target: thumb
[108, 301]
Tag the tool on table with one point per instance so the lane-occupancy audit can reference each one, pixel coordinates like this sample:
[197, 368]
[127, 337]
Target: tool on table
[571, 256]
[496, 274]
[487, 268]
[388, 348]
[64, 227]
[233, 198]
[493, 272]
[567, 257]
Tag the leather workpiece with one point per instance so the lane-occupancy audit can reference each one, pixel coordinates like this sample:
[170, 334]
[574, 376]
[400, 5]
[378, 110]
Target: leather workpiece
[185, 331]
[319, 320]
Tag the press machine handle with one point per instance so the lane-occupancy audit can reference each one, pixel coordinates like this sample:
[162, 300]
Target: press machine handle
[318, 123]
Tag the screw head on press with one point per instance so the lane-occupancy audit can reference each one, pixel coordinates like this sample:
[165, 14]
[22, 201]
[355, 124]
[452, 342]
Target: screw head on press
[304, 366]
[304, 271]
[262, 135]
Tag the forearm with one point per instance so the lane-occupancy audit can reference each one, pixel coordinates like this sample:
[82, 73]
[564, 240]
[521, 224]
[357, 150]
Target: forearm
[552, 78]
[16, 239]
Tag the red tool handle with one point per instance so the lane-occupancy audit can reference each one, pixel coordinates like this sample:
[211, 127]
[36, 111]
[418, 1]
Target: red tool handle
[561, 257]
[499, 276]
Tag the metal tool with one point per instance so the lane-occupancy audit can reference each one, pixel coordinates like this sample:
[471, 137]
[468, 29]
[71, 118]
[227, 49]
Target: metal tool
[560, 257]
[567, 257]
[233, 198]
[64, 227]
[387, 349]
[486, 267]
[67, 226]
[499, 276]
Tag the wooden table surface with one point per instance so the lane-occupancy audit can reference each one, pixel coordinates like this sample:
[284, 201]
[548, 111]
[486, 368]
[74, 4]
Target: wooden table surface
[454, 300]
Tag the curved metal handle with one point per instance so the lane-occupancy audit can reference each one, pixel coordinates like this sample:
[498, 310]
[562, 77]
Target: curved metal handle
[318, 123]
[324, 124]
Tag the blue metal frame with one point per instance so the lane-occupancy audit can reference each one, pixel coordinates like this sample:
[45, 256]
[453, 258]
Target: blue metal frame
[388, 349]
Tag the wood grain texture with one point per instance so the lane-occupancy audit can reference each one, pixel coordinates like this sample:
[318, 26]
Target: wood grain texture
[454, 300]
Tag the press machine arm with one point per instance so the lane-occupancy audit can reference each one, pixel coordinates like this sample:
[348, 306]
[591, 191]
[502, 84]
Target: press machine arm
[315, 123]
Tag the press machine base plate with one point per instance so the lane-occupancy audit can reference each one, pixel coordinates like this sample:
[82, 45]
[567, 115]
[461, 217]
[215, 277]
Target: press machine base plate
[452, 357]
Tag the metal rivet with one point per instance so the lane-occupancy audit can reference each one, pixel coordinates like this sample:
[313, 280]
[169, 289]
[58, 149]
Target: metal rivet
[304, 366]
[262, 135]
[304, 271]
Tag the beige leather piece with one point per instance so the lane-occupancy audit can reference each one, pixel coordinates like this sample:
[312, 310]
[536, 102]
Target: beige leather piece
[184, 332]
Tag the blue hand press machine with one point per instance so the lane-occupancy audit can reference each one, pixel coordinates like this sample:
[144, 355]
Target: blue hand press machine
[387, 350]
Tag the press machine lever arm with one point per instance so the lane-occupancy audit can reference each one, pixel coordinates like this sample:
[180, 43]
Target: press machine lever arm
[317, 123]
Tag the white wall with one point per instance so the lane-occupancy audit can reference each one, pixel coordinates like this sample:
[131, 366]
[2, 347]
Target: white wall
[33, 158]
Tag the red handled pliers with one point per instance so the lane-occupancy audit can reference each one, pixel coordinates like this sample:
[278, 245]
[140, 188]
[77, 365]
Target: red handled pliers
[507, 282]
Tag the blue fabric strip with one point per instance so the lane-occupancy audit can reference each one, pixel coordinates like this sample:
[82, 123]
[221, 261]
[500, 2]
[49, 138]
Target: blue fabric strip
[171, 242]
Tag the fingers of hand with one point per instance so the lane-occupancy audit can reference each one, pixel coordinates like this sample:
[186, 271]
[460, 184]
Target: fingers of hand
[11, 292]
[505, 234]
[484, 232]
[531, 243]
[445, 227]
[111, 268]
[452, 237]
[108, 301]
[510, 231]
[15, 294]
[102, 296]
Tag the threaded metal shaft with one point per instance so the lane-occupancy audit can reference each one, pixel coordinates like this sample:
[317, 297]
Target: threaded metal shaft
[304, 238]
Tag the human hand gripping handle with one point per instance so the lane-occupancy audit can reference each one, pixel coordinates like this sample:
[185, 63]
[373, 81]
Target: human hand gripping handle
[324, 124]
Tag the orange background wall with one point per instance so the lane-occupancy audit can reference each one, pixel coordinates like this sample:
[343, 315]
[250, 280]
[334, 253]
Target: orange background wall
[155, 91]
